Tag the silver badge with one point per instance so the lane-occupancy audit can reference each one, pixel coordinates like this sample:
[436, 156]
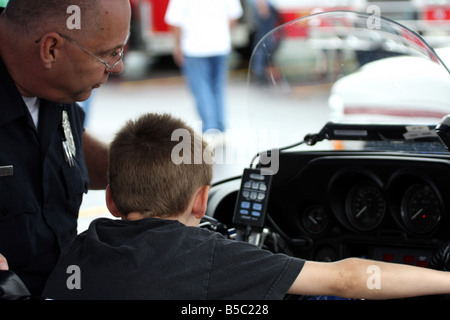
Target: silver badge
[69, 144]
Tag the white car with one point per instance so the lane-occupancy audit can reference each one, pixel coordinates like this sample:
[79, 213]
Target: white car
[394, 89]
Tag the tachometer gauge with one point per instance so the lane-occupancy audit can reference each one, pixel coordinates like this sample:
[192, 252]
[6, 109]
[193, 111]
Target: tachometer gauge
[315, 219]
[365, 206]
[421, 208]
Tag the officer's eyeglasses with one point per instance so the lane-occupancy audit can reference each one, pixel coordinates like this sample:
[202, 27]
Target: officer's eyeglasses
[116, 56]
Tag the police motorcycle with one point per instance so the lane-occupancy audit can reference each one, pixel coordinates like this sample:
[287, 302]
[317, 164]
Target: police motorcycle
[360, 165]
[352, 159]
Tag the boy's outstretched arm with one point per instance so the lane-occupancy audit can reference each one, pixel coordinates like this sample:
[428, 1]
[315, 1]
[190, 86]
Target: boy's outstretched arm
[369, 279]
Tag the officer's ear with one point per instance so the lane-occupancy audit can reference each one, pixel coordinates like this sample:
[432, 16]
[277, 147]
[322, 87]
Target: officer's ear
[49, 46]
[111, 205]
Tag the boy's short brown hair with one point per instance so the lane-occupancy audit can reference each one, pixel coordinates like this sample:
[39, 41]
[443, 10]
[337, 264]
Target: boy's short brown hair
[142, 174]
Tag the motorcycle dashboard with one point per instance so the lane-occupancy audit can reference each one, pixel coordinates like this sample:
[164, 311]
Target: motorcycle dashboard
[353, 104]
[384, 206]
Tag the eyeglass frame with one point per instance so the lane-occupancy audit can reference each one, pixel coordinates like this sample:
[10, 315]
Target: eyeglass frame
[108, 67]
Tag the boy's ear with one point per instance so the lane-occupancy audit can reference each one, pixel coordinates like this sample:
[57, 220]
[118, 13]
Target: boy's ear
[200, 202]
[110, 204]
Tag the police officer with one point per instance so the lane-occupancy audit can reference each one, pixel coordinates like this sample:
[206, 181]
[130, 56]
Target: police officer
[50, 57]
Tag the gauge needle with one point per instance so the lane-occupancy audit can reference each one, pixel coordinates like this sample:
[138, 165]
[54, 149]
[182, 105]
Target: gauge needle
[416, 214]
[360, 212]
[313, 220]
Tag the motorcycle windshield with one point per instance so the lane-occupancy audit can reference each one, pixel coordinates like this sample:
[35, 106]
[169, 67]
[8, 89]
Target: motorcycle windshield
[351, 68]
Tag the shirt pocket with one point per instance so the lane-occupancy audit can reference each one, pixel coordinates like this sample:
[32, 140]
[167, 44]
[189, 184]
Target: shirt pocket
[75, 184]
[17, 196]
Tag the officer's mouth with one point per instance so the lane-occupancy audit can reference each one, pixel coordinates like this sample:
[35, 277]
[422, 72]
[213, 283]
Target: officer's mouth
[98, 85]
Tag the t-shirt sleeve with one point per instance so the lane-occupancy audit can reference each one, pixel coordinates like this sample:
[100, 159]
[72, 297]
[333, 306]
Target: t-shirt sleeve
[174, 13]
[241, 271]
[235, 9]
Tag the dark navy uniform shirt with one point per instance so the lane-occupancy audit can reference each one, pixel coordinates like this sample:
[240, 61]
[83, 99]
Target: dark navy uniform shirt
[39, 202]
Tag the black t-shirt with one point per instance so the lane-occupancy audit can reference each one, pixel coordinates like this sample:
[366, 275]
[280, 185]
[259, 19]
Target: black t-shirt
[162, 259]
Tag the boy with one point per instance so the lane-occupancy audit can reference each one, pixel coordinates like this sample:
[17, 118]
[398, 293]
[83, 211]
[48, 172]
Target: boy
[156, 250]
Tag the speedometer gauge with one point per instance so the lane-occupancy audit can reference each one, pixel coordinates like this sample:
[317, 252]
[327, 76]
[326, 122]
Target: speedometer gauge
[365, 206]
[421, 208]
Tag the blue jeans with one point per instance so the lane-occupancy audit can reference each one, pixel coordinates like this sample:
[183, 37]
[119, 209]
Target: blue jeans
[206, 77]
[262, 57]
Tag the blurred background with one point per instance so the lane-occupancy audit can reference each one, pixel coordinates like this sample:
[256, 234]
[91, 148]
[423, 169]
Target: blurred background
[151, 82]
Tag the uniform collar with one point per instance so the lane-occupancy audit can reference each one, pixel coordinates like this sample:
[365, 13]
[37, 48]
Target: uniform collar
[11, 102]
[12, 105]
